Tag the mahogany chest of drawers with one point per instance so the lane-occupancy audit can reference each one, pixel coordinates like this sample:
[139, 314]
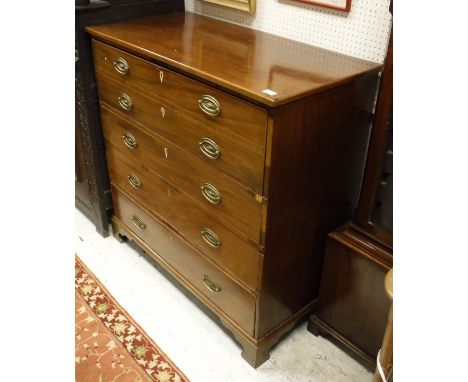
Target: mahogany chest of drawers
[231, 154]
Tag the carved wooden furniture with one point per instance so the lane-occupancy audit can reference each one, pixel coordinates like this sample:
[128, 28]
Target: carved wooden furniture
[352, 305]
[92, 188]
[231, 153]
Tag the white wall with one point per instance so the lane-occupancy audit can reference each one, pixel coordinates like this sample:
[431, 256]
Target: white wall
[362, 33]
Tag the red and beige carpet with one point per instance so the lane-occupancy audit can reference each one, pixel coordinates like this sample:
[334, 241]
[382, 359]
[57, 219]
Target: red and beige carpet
[109, 345]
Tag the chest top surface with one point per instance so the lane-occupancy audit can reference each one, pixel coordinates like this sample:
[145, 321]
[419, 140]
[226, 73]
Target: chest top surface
[262, 67]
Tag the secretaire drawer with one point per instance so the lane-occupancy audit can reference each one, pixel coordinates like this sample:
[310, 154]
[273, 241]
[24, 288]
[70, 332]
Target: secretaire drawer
[234, 158]
[235, 253]
[233, 202]
[198, 272]
[203, 102]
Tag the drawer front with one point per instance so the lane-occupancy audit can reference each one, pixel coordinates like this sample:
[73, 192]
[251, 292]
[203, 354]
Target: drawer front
[235, 159]
[229, 250]
[203, 276]
[238, 206]
[237, 116]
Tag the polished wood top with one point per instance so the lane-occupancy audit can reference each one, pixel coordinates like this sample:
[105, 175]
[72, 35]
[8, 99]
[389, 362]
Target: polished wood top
[239, 59]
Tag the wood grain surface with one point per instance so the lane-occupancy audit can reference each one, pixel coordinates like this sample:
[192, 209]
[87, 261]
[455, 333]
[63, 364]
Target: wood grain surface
[238, 205]
[237, 116]
[239, 59]
[352, 286]
[234, 300]
[236, 254]
[317, 161]
[237, 159]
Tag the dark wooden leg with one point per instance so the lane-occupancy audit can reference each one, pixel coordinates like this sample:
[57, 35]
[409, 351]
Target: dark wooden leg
[254, 353]
[118, 232]
[257, 351]
[102, 228]
[313, 328]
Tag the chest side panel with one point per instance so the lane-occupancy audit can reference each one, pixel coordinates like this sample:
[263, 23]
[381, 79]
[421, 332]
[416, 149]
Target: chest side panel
[318, 148]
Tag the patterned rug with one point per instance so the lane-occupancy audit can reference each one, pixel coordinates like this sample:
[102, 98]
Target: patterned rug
[109, 344]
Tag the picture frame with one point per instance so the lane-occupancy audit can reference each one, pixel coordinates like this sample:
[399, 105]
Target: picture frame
[340, 5]
[241, 5]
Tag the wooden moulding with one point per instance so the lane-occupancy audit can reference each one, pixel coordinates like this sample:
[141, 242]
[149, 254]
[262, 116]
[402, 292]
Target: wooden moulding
[316, 326]
[241, 5]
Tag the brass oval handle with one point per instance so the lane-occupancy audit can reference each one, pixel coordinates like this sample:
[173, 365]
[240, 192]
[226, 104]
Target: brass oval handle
[209, 105]
[211, 193]
[125, 102]
[210, 238]
[134, 181]
[130, 141]
[210, 284]
[121, 66]
[209, 148]
[136, 220]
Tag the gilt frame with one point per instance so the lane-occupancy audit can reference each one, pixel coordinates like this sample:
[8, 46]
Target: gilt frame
[241, 5]
[341, 5]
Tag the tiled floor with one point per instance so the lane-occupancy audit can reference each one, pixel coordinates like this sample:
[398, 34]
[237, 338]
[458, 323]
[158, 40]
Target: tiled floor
[200, 348]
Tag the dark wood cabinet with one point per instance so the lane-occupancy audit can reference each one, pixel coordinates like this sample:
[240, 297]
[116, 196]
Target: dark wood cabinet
[352, 306]
[92, 189]
[231, 154]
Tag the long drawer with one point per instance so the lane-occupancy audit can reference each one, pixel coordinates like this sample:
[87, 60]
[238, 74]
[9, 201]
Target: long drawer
[203, 276]
[237, 204]
[232, 252]
[237, 116]
[235, 159]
